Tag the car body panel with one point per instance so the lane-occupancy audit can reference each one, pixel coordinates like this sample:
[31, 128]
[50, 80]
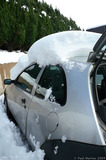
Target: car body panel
[37, 118]
[79, 111]
[47, 120]
[18, 109]
[77, 118]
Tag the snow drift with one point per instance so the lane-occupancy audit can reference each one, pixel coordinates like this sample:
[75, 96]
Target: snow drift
[58, 48]
[9, 57]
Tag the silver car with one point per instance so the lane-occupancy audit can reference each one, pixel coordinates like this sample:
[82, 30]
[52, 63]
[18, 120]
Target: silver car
[65, 110]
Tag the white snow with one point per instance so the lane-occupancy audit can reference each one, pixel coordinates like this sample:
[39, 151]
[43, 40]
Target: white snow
[11, 145]
[44, 13]
[48, 93]
[49, 136]
[8, 57]
[58, 48]
[25, 7]
[34, 9]
[15, 2]
[79, 65]
[56, 149]
[64, 139]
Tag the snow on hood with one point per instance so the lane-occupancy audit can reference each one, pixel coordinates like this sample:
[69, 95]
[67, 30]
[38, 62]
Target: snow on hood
[58, 48]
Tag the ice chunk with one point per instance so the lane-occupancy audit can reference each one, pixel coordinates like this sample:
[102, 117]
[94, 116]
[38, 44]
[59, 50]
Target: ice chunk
[64, 138]
[56, 149]
[48, 93]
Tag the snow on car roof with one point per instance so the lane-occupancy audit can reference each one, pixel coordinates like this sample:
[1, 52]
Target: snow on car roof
[58, 48]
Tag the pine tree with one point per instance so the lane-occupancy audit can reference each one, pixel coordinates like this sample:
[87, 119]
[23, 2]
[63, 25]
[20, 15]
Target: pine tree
[31, 29]
[22, 22]
[4, 23]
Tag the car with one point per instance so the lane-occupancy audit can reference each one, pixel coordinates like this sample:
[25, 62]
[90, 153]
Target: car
[62, 105]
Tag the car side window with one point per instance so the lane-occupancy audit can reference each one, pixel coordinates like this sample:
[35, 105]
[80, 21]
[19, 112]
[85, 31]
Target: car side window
[52, 85]
[27, 78]
[101, 82]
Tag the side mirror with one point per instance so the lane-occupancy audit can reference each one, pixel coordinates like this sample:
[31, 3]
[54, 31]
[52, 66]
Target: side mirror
[8, 81]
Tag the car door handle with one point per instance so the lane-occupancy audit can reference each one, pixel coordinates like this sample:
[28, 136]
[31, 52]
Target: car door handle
[23, 100]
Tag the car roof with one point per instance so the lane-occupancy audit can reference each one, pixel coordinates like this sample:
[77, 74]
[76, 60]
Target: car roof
[58, 48]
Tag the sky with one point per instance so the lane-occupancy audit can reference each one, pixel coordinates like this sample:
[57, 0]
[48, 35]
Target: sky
[86, 13]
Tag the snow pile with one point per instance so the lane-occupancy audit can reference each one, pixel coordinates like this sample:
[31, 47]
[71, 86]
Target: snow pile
[11, 145]
[9, 57]
[58, 48]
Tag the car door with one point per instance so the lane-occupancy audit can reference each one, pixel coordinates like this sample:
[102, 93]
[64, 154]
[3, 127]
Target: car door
[98, 76]
[21, 94]
[50, 94]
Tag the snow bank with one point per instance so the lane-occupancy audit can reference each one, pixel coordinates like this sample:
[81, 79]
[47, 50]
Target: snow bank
[58, 48]
[8, 57]
[11, 145]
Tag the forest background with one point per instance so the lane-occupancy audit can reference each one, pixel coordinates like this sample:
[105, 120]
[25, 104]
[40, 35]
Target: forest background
[22, 22]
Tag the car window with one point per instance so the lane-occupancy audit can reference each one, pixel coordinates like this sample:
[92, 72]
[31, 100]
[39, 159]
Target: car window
[101, 82]
[27, 78]
[99, 77]
[52, 85]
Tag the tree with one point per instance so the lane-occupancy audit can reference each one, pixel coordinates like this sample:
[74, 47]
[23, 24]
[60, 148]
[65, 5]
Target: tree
[22, 22]
[4, 23]
[31, 29]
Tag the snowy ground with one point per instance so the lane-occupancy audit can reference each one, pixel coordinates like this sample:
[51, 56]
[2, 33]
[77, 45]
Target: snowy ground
[8, 57]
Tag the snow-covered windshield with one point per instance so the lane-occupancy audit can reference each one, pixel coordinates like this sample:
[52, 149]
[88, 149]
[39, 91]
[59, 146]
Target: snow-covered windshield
[58, 48]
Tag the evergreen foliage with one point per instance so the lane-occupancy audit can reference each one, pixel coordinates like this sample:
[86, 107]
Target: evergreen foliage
[22, 22]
